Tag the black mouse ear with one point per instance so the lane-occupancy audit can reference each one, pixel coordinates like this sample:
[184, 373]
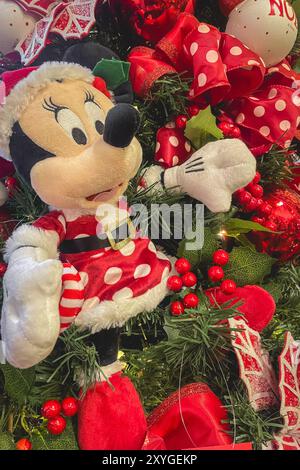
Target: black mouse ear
[88, 54]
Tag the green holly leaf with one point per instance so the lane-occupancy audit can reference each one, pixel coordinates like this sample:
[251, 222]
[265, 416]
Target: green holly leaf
[235, 227]
[211, 244]
[17, 382]
[202, 129]
[114, 72]
[65, 441]
[6, 441]
[248, 267]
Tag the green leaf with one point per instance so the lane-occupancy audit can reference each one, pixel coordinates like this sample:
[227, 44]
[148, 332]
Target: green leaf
[234, 227]
[6, 441]
[248, 267]
[66, 441]
[113, 71]
[202, 129]
[17, 382]
[211, 244]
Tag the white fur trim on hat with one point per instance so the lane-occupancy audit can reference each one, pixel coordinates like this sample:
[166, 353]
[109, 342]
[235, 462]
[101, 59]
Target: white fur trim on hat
[26, 90]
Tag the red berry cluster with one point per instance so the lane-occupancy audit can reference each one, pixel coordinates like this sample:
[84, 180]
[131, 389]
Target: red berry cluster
[250, 197]
[229, 129]
[182, 119]
[177, 283]
[52, 409]
[216, 272]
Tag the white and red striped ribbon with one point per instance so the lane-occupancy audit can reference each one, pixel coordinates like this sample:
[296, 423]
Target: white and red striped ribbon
[72, 296]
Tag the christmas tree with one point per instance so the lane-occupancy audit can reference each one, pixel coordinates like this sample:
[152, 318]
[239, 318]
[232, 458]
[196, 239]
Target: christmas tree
[230, 324]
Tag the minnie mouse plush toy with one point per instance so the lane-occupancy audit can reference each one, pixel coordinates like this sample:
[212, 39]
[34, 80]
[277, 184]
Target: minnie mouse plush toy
[71, 139]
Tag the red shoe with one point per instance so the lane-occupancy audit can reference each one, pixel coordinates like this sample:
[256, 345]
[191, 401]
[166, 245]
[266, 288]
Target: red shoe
[111, 416]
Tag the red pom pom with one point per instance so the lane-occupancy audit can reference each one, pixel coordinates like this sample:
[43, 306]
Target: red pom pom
[69, 406]
[193, 110]
[189, 279]
[215, 273]
[177, 308]
[220, 257]
[228, 286]
[23, 444]
[3, 268]
[182, 266]
[190, 300]
[56, 425]
[174, 283]
[181, 121]
[51, 409]
[256, 190]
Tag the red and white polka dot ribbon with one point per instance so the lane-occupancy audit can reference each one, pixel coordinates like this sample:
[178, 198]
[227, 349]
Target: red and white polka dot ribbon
[72, 296]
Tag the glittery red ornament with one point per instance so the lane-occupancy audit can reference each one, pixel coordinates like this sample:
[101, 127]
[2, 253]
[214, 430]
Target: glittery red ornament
[189, 279]
[174, 283]
[220, 257]
[23, 444]
[182, 266]
[50, 409]
[56, 425]
[215, 273]
[69, 406]
[190, 300]
[283, 214]
[176, 308]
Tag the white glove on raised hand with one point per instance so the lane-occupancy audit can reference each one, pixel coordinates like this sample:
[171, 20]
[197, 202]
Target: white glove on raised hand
[213, 173]
[30, 320]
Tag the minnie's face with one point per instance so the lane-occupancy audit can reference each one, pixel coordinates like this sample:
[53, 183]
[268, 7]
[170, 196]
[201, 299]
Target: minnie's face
[67, 120]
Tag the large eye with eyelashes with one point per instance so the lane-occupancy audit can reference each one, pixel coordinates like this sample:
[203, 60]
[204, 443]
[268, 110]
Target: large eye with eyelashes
[72, 125]
[96, 115]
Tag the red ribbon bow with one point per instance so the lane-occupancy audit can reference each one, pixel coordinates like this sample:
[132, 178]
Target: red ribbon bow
[264, 103]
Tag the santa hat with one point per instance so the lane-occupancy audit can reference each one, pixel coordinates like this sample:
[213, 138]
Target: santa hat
[21, 87]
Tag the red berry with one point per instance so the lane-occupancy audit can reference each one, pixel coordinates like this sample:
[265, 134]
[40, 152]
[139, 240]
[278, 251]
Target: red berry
[181, 121]
[245, 198]
[189, 279]
[251, 205]
[190, 300]
[265, 208]
[23, 444]
[256, 190]
[50, 409]
[270, 225]
[182, 266]
[236, 133]
[3, 268]
[193, 110]
[11, 184]
[174, 283]
[69, 406]
[177, 308]
[220, 257]
[256, 178]
[228, 286]
[215, 273]
[258, 220]
[259, 203]
[226, 127]
[56, 425]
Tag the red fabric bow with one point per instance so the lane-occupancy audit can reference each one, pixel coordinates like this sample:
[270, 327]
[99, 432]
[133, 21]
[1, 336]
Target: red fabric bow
[263, 102]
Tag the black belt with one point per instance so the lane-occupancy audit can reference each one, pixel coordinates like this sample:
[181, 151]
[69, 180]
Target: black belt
[93, 242]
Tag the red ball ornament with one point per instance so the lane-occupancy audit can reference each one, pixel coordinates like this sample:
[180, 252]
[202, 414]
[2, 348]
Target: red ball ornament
[50, 409]
[282, 211]
[190, 300]
[3, 268]
[189, 279]
[193, 110]
[176, 308]
[182, 266]
[228, 286]
[56, 425]
[181, 121]
[174, 283]
[69, 406]
[215, 273]
[23, 444]
[220, 257]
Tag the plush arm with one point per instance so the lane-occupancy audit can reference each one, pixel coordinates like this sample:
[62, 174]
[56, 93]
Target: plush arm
[32, 289]
[211, 175]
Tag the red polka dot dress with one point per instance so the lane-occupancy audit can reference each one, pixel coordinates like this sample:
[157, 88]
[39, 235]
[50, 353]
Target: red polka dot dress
[117, 284]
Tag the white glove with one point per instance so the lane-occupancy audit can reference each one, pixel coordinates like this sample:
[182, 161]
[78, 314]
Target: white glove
[213, 173]
[30, 320]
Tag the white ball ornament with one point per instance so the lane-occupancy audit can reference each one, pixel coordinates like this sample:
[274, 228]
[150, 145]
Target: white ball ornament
[268, 27]
[15, 25]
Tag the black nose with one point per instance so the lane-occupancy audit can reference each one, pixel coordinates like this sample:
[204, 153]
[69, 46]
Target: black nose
[121, 125]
